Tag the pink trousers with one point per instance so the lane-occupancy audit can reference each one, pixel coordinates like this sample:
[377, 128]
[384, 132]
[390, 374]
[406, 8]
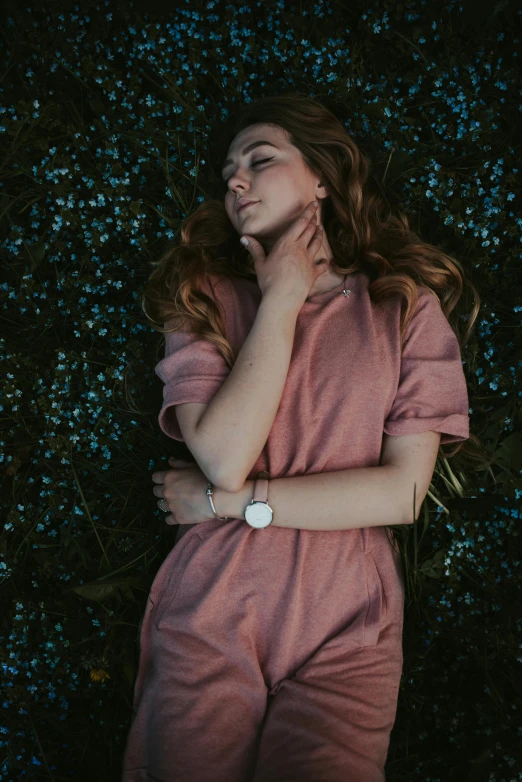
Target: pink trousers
[269, 655]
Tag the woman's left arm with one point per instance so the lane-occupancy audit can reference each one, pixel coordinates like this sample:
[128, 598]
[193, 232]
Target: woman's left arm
[385, 495]
[346, 499]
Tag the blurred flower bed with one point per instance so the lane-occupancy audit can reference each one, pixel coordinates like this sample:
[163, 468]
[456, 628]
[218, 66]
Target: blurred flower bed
[104, 124]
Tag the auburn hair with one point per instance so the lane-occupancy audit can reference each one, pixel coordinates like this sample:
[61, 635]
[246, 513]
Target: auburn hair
[365, 232]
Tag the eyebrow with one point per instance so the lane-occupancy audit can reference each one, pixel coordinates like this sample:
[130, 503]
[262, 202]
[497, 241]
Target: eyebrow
[248, 149]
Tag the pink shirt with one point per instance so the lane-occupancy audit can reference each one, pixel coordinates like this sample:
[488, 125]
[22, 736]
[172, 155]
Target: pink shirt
[347, 382]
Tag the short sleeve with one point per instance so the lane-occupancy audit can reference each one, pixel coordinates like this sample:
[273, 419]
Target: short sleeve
[432, 393]
[193, 370]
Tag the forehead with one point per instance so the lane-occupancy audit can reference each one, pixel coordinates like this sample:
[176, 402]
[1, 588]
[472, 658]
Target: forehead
[256, 132]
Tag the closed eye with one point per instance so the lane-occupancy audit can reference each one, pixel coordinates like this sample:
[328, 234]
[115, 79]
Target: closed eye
[265, 160]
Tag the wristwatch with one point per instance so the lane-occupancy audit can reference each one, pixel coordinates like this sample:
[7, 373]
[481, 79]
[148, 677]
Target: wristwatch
[258, 512]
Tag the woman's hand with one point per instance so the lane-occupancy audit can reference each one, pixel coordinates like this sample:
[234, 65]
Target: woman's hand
[291, 267]
[183, 488]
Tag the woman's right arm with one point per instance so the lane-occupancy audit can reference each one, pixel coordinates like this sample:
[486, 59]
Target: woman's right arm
[235, 425]
[232, 431]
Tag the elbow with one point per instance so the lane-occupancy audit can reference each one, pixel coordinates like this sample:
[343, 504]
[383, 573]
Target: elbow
[413, 509]
[218, 477]
[233, 486]
[228, 483]
[226, 486]
[409, 518]
[213, 477]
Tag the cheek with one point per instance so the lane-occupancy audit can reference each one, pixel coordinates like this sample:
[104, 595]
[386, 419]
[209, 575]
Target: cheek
[229, 207]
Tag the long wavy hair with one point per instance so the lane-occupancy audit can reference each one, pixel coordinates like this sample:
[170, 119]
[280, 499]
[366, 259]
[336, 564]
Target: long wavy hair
[365, 232]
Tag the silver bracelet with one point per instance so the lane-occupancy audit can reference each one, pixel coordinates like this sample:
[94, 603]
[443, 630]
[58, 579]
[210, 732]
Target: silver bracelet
[210, 492]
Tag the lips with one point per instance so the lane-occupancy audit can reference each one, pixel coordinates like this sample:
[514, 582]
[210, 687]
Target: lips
[251, 203]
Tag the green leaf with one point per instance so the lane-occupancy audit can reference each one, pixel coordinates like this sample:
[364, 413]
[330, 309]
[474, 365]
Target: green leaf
[434, 567]
[98, 592]
[103, 590]
[509, 453]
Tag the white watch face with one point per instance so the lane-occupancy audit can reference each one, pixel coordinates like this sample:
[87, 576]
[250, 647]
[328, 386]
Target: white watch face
[258, 514]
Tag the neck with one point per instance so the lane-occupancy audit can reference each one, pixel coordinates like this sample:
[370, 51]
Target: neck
[326, 282]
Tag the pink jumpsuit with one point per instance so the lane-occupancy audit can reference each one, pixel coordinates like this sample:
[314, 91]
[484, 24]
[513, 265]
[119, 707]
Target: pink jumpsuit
[275, 655]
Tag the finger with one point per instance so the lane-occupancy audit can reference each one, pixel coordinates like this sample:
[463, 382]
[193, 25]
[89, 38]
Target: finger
[318, 234]
[305, 221]
[312, 230]
[313, 237]
[308, 215]
[158, 477]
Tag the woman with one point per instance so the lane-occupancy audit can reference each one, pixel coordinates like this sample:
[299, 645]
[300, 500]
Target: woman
[321, 358]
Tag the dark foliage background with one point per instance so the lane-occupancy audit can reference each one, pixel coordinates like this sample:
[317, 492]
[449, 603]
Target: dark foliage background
[105, 118]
